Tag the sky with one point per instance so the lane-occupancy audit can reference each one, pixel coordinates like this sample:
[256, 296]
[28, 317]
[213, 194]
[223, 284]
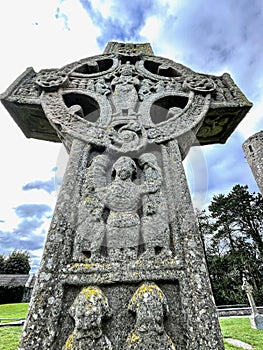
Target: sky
[208, 36]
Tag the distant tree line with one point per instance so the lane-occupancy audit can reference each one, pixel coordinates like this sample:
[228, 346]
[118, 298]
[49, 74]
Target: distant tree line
[232, 232]
[17, 262]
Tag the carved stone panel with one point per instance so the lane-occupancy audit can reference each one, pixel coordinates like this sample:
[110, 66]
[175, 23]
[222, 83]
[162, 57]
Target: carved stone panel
[88, 310]
[117, 321]
[150, 307]
[123, 211]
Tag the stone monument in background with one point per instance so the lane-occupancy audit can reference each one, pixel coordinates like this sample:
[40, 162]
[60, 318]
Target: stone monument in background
[123, 265]
[253, 149]
[256, 320]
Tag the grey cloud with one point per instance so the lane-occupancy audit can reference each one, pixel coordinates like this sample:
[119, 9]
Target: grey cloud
[48, 186]
[226, 35]
[32, 210]
[9, 241]
[125, 22]
[227, 167]
[27, 227]
[26, 235]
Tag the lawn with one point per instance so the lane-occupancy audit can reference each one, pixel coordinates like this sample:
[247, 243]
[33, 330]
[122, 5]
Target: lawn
[9, 336]
[13, 310]
[237, 328]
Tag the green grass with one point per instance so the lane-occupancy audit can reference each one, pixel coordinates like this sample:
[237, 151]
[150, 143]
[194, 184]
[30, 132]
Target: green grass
[9, 336]
[239, 328]
[13, 310]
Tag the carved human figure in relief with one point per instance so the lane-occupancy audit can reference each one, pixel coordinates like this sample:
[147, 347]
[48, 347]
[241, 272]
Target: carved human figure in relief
[125, 96]
[154, 225]
[90, 229]
[123, 198]
[123, 230]
[150, 307]
[88, 311]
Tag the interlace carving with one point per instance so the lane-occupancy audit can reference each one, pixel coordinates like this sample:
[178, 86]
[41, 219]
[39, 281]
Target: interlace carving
[199, 83]
[51, 79]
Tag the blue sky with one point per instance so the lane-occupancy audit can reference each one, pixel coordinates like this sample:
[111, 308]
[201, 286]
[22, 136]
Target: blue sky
[208, 36]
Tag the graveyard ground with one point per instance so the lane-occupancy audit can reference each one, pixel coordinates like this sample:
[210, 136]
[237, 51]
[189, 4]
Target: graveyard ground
[237, 328]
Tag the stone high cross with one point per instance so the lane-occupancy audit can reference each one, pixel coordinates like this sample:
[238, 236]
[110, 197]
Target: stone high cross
[123, 265]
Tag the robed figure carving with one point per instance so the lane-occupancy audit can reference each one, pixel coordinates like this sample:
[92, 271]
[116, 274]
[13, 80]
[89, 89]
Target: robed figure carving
[122, 212]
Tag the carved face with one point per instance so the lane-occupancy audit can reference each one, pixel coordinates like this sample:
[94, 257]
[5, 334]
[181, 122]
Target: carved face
[124, 167]
[88, 309]
[150, 305]
[88, 317]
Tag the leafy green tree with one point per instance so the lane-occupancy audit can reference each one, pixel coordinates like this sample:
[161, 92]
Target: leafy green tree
[238, 216]
[2, 263]
[18, 262]
[232, 235]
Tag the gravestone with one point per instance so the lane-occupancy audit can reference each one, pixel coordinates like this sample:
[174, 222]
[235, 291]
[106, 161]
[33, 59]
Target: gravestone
[256, 320]
[123, 265]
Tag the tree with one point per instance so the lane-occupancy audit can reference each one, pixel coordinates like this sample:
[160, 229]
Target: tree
[2, 263]
[18, 262]
[238, 216]
[232, 236]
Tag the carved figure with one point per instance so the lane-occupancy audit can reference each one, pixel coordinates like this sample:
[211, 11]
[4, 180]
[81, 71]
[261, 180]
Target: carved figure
[88, 310]
[123, 198]
[150, 306]
[102, 88]
[91, 85]
[146, 88]
[89, 220]
[155, 229]
[125, 96]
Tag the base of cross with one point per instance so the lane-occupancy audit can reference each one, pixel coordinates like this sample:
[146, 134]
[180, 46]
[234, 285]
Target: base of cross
[256, 321]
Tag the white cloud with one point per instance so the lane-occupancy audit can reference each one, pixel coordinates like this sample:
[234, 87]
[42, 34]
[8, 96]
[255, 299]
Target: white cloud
[253, 122]
[152, 28]
[103, 6]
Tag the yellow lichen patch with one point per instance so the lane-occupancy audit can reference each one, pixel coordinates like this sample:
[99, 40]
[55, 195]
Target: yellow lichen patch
[69, 343]
[86, 266]
[88, 200]
[133, 337]
[151, 288]
[88, 292]
[138, 262]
